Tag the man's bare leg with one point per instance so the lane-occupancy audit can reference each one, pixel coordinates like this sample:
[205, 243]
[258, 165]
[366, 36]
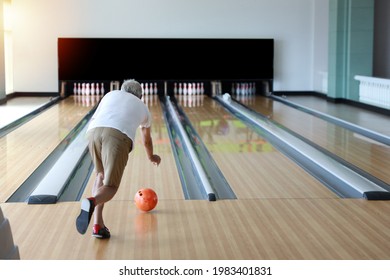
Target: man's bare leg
[102, 194]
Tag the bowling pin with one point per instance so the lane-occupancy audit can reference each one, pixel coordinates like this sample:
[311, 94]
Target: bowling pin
[155, 88]
[180, 88]
[146, 89]
[197, 88]
[97, 91]
[102, 89]
[151, 90]
[87, 89]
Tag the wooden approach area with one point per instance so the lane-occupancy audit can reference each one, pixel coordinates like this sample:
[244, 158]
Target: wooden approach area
[230, 229]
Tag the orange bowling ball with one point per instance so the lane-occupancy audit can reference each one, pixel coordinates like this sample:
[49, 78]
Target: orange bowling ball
[146, 199]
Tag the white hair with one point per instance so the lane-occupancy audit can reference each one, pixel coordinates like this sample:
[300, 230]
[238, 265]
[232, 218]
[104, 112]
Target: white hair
[132, 86]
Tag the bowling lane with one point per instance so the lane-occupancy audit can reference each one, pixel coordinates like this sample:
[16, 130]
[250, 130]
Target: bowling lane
[250, 164]
[140, 172]
[368, 155]
[371, 120]
[25, 148]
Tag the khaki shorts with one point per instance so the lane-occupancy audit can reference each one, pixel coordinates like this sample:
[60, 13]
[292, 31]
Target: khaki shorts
[110, 150]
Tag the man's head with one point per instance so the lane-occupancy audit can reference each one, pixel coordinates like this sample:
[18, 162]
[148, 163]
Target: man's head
[133, 87]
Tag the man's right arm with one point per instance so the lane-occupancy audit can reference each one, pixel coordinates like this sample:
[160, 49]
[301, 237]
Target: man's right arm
[148, 144]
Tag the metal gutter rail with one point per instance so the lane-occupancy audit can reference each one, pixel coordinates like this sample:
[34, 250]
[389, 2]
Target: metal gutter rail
[198, 166]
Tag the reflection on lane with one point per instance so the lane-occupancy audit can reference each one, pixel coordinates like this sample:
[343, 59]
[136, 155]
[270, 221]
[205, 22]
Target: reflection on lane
[217, 132]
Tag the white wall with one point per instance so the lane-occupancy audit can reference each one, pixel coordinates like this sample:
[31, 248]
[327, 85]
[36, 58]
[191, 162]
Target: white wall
[38, 24]
[320, 47]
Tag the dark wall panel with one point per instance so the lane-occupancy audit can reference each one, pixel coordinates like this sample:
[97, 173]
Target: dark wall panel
[165, 59]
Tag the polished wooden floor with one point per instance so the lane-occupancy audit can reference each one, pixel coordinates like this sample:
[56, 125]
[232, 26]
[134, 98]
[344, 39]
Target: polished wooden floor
[366, 154]
[14, 108]
[227, 229]
[369, 119]
[281, 212]
[251, 165]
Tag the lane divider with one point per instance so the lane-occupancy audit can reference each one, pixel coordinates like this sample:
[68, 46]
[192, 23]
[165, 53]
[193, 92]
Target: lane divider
[198, 166]
[53, 184]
